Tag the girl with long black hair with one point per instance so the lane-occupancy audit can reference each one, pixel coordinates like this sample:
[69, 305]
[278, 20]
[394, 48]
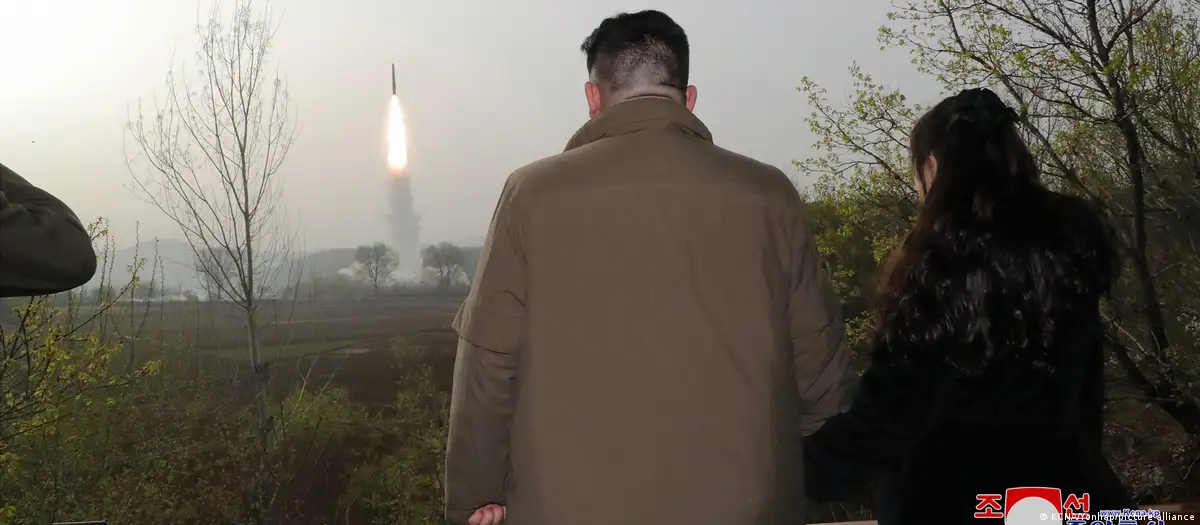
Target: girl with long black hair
[987, 366]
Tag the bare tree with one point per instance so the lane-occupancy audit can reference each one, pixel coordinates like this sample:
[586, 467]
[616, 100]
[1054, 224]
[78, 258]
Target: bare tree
[445, 261]
[374, 263]
[209, 268]
[214, 150]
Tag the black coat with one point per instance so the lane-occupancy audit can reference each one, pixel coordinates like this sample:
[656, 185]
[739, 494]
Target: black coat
[934, 438]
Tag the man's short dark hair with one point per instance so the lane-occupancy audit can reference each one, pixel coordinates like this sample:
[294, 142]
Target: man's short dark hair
[633, 47]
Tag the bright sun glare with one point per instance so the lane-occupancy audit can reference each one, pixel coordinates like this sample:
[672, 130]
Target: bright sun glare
[397, 141]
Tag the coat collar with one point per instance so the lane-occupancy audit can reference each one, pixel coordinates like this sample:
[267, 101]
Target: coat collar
[639, 114]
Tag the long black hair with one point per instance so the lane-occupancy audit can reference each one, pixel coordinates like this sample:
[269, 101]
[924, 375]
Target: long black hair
[995, 263]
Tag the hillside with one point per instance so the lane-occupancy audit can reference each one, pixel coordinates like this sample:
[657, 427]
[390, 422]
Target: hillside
[171, 262]
[168, 260]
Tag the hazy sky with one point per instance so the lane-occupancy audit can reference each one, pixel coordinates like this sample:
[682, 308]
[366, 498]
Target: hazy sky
[487, 86]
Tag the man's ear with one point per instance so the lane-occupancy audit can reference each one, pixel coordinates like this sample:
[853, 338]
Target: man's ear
[592, 92]
[689, 98]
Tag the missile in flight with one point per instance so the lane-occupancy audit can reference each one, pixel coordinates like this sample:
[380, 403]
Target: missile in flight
[393, 78]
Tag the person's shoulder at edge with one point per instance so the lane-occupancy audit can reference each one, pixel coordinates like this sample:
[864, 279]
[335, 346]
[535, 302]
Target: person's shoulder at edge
[45, 247]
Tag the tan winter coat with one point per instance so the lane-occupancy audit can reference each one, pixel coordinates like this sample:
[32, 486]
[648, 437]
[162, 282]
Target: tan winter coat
[649, 334]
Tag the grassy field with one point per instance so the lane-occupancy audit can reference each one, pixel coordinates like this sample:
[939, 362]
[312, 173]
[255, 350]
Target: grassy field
[347, 342]
[213, 325]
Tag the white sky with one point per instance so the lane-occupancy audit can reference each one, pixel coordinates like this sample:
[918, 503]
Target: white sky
[487, 86]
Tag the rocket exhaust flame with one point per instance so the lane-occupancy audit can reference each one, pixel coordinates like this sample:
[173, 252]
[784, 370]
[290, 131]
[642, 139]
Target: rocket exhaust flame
[396, 139]
[405, 223]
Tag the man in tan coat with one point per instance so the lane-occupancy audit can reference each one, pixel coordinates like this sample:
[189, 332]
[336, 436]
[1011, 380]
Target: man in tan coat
[44, 248]
[650, 331]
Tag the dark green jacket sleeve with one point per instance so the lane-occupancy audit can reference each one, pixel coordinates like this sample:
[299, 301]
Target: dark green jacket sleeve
[44, 248]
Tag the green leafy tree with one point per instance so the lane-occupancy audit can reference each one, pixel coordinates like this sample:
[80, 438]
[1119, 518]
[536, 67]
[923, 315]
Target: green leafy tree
[1107, 96]
[1106, 92]
[862, 198]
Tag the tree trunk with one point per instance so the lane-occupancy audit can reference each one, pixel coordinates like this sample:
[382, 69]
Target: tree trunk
[1163, 390]
[261, 369]
[1155, 320]
[1162, 393]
